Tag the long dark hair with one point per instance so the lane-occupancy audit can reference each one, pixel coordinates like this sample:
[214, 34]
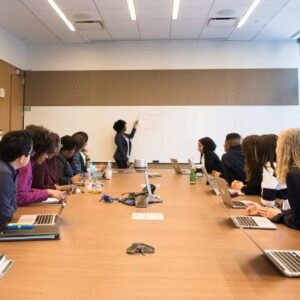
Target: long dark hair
[208, 144]
[249, 145]
[266, 150]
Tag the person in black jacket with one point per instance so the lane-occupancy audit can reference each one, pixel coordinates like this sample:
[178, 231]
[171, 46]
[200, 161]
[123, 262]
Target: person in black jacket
[209, 158]
[233, 159]
[288, 171]
[123, 143]
[252, 169]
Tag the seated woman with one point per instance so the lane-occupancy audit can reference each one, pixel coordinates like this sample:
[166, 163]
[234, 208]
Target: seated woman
[65, 171]
[288, 172]
[42, 145]
[252, 170]
[209, 159]
[271, 188]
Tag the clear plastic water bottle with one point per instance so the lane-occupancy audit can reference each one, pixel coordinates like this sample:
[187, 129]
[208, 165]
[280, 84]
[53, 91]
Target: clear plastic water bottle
[193, 176]
[108, 170]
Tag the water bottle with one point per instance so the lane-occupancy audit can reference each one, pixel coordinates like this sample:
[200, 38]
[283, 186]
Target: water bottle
[108, 170]
[88, 183]
[193, 176]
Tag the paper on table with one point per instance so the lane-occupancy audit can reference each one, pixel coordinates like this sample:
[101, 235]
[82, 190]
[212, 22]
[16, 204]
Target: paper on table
[148, 216]
[51, 201]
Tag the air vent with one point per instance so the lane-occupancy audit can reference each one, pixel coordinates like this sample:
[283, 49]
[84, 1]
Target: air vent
[295, 35]
[89, 25]
[221, 22]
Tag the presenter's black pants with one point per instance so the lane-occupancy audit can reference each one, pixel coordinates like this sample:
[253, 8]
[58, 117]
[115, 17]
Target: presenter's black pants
[122, 164]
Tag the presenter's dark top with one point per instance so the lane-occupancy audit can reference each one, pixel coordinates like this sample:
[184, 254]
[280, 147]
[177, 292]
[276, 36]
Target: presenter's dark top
[212, 162]
[122, 145]
[8, 192]
[291, 217]
[233, 164]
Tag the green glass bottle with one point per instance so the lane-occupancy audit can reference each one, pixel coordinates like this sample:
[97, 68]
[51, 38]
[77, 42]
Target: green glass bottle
[193, 176]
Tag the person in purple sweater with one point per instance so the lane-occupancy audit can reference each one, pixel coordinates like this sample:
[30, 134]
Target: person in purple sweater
[42, 145]
[45, 175]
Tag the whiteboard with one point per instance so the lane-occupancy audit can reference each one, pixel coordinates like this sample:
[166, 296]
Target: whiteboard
[164, 131]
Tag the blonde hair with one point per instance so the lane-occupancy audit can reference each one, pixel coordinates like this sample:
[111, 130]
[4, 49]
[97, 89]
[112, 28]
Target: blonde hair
[287, 152]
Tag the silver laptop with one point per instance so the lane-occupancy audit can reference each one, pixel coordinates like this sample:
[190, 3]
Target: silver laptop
[251, 222]
[225, 194]
[41, 219]
[151, 198]
[211, 181]
[177, 168]
[287, 261]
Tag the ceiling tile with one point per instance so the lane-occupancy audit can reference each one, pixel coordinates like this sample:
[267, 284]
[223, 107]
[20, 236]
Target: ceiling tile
[155, 23]
[266, 10]
[188, 22]
[233, 3]
[193, 12]
[239, 11]
[196, 3]
[215, 33]
[91, 36]
[35, 5]
[185, 33]
[130, 25]
[123, 34]
[115, 14]
[154, 13]
[75, 4]
[153, 3]
[153, 34]
[111, 4]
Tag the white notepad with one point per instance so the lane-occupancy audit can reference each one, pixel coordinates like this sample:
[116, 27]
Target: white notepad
[148, 216]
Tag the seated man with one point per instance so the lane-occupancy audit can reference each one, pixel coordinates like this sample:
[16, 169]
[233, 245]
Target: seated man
[15, 148]
[233, 159]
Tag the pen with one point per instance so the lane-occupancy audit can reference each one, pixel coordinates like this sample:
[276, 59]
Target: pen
[19, 226]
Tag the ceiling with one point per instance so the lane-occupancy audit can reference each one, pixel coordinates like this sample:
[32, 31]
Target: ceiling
[36, 22]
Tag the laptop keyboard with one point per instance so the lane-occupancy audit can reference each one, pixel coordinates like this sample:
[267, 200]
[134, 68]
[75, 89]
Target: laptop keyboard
[246, 221]
[238, 203]
[291, 260]
[44, 219]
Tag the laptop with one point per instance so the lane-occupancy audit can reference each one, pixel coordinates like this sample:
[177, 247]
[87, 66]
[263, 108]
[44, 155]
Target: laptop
[211, 181]
[287, 261]
[252, 222]
[177, 168]
[225, 195]
[41, 219]
[151, 198]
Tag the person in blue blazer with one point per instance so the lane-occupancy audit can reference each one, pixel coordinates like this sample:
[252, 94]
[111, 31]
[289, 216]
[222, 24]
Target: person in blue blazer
[123, 143]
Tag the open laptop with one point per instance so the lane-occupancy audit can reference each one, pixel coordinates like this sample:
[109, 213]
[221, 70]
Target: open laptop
[252, 222]
[151, 198]
[287, 261]
[41, 219]
[226, 197]
[177, 168]
[211, 181]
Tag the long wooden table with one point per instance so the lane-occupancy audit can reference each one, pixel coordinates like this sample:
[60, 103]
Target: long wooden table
[199, 253]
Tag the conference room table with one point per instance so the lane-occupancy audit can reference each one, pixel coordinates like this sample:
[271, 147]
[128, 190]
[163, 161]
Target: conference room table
[199, 254]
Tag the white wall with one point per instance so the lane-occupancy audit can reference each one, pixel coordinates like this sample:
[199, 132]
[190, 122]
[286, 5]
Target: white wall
[165, 131]
[164, 55]
[13, 50]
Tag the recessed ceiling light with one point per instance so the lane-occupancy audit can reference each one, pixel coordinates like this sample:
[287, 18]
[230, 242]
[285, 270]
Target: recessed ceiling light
[226, 12]
[176, 5]
[131, 10]
[61, 14]
[248, 13]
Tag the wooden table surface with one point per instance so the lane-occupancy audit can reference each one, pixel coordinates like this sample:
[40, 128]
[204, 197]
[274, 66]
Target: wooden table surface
[199, 253]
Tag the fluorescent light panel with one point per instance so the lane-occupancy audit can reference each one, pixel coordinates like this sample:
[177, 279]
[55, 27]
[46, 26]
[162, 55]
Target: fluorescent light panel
[248, 13]
[176, 5]
[131, 10]
[61, 14]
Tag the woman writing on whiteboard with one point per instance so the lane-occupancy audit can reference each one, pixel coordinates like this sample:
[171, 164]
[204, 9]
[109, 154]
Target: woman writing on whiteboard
[123, 143]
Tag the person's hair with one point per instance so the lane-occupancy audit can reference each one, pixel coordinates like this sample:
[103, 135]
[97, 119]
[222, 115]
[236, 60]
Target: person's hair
[249, 149]
[79, 141]
[233, 139]
[119, 126]
[208, 144]
[67, 143]
[287, 152]
[54, 141]
[41, 143]
[265, 150]
[15, 144]
[84, 134]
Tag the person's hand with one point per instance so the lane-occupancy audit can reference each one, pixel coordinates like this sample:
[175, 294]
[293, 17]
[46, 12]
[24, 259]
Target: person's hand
[57, 194]
[135, 124]
[76, 178]
[278, 203]
[66, 188]
[237, 185]
[215, 173]
[100, 167]
[268, 212]
[85, 151]
[252, 209]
